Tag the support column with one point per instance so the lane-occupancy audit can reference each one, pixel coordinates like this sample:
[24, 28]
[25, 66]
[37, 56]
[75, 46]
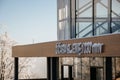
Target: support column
[62, 72]
[70, 72]
[16, 68]
[108, 68]
[52, 68]
[55, 68]
[72, 18]
[48, 68]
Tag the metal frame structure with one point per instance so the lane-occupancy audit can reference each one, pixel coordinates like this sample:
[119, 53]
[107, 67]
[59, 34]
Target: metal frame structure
[96, 22]
[94, 19]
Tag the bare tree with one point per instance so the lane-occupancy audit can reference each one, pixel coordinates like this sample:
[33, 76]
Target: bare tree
[7, 61]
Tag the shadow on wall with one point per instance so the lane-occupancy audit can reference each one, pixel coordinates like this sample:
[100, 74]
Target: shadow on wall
[118, 76]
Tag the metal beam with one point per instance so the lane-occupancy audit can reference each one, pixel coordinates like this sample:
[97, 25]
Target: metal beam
[108, 68]
[16, 68]
[52, 68]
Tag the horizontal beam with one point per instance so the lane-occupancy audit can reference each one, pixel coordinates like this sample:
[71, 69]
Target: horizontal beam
[97, 19]
[111, 47]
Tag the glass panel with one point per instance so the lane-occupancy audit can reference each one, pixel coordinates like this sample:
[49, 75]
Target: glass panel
[67, 30]
[63, 9]
[84, 29]
[101, 8]
[99, 74]
[101, 28]
[115, 16]
[63, 19]
[32, 68]
[84, 20]
[61, 30]
[65, 71]
[84, 7]
[101, 17]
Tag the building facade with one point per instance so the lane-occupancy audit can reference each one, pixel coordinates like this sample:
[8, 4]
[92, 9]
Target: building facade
[88, 18]
[88, 45]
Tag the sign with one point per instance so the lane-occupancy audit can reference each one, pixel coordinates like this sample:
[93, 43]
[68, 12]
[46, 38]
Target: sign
[79, 48]
[98, 46]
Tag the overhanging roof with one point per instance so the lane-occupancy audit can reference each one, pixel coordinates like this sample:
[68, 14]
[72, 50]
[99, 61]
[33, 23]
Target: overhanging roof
[48, 49]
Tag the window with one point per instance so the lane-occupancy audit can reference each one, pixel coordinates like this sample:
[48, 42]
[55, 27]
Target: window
[63, 19]
[115, 16]
[84, 18]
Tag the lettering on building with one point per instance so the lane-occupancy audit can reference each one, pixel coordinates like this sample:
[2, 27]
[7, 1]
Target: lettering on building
[79, 48]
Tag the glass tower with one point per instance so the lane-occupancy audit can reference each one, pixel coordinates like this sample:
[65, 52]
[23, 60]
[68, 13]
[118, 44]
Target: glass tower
[86, 18]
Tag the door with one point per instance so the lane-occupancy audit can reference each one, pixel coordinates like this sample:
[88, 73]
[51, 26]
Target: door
[69, 72]
[96, 73]
[92, 73]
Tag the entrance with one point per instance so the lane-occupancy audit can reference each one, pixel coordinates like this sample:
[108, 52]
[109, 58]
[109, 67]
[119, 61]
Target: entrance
[96, 73]
[69, 73]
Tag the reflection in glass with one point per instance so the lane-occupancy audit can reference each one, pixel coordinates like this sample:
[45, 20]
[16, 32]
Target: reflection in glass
[101, 17]
[63, 19]
[84, 29]
[99, 74]
[84, 20]
[84, 7]
[101, 28]
[115, 16]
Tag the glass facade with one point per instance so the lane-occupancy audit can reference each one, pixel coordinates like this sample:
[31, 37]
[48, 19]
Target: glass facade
[83, 19]
[97, 17]
[92, 18]
[115, 16]
[63, 19]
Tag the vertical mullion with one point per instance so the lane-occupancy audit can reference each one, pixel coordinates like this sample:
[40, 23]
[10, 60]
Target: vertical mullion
[81, 69]
[93, 17]
[115, 65]
[108, 68]
[109, 16]
[62, 72]
[16, 63]
[48, 68]
[75, 18]
[76, 22]
[103, 69]
[70, 14]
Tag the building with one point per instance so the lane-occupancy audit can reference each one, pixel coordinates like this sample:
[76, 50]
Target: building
[86, 18]
[88, 45]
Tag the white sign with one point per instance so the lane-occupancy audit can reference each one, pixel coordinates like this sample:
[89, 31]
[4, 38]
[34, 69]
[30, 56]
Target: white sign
[79, 48]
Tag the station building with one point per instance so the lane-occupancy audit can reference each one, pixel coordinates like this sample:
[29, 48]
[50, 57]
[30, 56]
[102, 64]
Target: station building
[88, 45]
